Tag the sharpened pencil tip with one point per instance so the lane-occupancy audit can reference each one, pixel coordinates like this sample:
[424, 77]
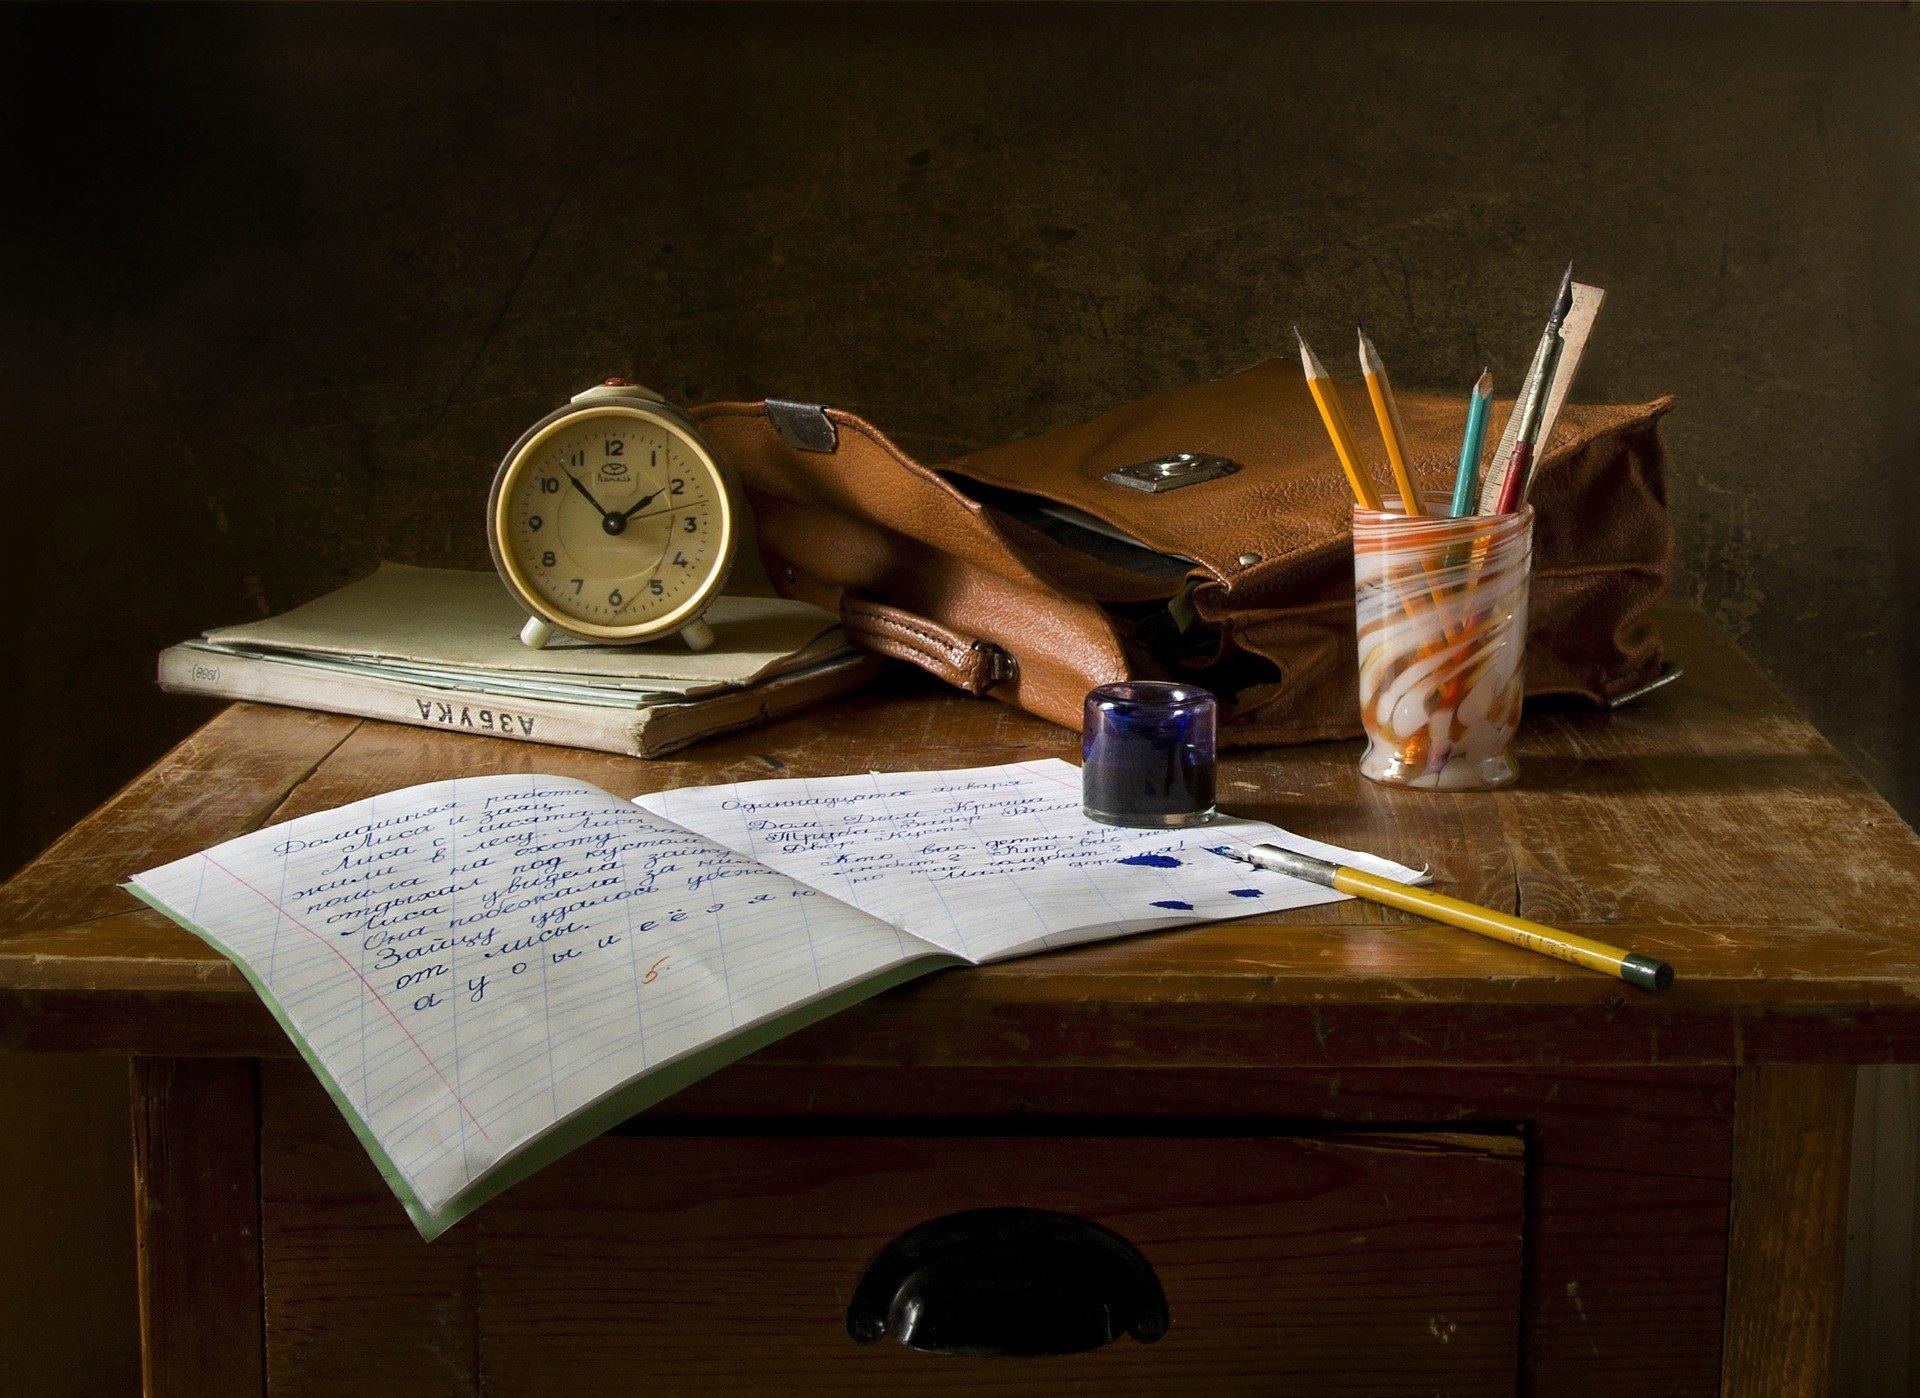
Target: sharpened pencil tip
[1370, 361]
[1484, 384]
[1309, 361]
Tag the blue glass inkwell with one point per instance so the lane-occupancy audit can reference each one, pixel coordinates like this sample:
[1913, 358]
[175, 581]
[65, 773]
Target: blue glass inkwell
[1146, 754]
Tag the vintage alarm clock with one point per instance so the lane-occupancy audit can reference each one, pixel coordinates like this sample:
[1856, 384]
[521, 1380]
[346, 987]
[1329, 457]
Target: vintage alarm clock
[611, 520]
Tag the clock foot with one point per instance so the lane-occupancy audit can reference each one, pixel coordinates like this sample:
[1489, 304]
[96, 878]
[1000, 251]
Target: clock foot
[536, 633]
[697, 634]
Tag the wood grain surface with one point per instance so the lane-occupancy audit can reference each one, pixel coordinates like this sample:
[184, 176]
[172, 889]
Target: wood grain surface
[1709, 825]
[1382, 1262]
[196, 1192]
[1628, 1174]
[1624, 1263]
[1788, 1246]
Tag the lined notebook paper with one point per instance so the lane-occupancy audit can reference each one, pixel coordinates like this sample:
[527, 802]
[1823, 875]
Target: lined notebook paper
[486, 973]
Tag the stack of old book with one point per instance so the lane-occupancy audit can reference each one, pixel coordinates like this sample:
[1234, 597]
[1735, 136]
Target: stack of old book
[439, 648]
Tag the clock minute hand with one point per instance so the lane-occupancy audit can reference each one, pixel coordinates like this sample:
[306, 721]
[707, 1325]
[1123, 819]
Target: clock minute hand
[605, 513]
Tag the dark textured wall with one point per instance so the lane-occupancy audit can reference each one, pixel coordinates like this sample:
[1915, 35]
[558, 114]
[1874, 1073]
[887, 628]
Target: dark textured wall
[281, 282]
[286, 279]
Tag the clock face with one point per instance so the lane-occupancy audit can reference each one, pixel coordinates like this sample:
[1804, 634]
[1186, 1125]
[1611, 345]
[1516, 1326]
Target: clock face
[614, 523]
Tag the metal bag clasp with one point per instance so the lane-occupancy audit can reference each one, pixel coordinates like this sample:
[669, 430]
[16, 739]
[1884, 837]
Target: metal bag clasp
[1171, 472]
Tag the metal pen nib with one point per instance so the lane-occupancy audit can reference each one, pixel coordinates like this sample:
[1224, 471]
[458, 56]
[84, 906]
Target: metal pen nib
[1562, 300]
[1284, 861]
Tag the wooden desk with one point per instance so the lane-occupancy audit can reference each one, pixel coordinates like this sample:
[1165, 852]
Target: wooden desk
[1360, 1151]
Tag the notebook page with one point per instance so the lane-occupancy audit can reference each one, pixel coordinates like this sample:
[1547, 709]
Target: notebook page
[996, 862]
[468, 962]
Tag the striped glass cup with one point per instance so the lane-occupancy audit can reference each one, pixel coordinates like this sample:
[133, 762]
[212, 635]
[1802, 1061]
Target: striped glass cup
[1441, 608]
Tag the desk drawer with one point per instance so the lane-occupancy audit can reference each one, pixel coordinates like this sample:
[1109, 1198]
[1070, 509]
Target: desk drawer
[1377, 1263]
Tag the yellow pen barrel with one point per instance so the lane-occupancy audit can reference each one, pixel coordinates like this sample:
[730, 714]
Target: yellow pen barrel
[1643, 971]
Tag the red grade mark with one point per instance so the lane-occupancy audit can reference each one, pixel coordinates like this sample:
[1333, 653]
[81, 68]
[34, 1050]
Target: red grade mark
[653, 972]
[363, 980]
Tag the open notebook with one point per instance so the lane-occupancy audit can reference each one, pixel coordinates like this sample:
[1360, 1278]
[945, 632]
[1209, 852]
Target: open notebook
[488, 972]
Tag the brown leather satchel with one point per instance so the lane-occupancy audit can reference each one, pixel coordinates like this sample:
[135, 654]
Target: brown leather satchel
[1200, 534]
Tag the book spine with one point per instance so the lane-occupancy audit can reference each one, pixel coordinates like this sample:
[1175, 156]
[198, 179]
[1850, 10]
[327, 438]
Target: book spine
[184, 670]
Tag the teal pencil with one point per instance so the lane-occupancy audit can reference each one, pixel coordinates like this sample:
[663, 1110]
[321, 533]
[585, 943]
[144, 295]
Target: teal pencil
[1466, 481]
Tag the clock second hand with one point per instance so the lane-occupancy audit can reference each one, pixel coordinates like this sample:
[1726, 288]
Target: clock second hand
[657, 562]
[664, 510]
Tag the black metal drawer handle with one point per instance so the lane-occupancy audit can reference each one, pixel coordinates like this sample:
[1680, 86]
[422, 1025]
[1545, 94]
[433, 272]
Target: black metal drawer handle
[1007, 1282]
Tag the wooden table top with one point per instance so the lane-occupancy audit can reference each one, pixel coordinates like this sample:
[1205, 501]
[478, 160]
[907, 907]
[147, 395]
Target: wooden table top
[1707, 824]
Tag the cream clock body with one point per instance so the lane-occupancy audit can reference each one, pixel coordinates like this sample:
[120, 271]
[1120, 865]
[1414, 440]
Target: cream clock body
[612, 521]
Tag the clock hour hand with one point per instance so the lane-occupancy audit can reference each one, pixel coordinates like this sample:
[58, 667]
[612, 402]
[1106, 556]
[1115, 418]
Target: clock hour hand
[637, 506]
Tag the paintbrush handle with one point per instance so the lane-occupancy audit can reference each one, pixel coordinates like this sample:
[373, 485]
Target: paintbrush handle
[1629, 966]
[1526, 446]
[1514, 484]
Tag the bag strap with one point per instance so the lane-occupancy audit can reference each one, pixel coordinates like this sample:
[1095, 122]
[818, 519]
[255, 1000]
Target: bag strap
[966, 663]
[917, 570]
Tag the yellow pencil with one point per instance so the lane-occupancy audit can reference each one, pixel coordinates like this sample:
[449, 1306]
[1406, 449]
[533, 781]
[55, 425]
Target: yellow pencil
[1629, 966]
[1327, 400]
[1387, 413]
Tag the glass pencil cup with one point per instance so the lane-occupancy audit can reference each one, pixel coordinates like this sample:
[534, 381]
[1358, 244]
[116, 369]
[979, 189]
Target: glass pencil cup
[1441, 616]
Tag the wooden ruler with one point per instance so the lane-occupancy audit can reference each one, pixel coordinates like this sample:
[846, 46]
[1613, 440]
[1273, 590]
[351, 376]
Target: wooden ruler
[1574, 331]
